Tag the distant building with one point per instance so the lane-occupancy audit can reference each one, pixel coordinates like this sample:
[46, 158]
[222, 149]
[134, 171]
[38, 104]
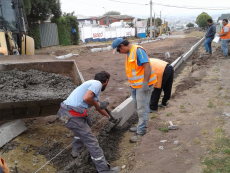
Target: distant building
[86, 20]
[114, 18]
[223, 16]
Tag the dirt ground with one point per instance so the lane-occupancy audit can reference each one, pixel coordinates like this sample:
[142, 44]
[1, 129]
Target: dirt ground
[46, 134]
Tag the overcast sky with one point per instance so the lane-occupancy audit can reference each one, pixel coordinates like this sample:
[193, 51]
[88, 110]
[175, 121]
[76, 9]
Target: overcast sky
[138, 8]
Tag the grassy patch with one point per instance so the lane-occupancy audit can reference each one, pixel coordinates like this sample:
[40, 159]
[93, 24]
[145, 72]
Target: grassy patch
[210, 104]
[204, 132]
[189, 103]
[169, 114]
[153, 116]
[164, 129]
[220, 88]
[197, 141]
[181, 106]
[218, 158]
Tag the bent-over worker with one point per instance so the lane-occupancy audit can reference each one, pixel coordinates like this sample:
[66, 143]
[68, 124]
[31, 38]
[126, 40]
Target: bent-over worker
[73, 113]
[141, 77]
[164, 73]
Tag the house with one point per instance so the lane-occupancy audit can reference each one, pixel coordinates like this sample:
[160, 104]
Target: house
[114, 18]
[82, 20]
[223, 16]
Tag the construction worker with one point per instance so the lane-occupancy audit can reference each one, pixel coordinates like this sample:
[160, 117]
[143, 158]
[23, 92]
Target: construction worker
[225, 38]
[73, 113]
[3, 166]
[164, 73]
[141, 77]
[211, 31]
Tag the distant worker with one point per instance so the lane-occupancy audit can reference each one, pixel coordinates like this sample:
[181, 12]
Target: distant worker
[164, 73]
[3, 166]
[73, 113]
[209, 36]
[225, 38]
[141, 77]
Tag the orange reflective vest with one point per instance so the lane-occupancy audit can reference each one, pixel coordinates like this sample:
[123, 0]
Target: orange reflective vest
[134, 72]
[228, 34]
[4, 166]
[159, 68]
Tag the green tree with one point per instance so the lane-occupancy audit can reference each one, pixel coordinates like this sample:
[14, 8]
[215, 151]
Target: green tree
[112, 13]
[158, 21]
[138, 19]
[201, 20]
[37, 10]
[190, 25]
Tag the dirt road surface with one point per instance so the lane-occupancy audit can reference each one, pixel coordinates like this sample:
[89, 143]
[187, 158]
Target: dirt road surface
[46, 136]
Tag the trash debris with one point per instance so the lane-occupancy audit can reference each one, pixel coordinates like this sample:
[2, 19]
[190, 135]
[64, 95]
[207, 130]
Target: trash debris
[176, 142]
[163, 141]
[123, 167]
[161, 147]
[226, 114]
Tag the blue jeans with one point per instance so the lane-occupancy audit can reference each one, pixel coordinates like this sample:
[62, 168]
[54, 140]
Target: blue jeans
[207, 45]
[141, 100]
[224, 47]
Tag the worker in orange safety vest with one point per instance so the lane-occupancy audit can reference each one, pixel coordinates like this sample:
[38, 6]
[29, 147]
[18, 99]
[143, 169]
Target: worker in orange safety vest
[3, 166]
[141, 78]
[164, 73]
[225, 38]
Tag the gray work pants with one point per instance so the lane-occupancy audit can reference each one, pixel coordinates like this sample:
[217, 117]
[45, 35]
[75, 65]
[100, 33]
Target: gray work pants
[141, 101]
[83, 135]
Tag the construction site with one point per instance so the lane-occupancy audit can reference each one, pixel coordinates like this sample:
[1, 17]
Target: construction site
[33, 84]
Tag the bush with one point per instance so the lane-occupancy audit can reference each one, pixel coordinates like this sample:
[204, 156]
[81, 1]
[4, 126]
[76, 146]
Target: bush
[35, 34]
[190, 25]
[65, 25]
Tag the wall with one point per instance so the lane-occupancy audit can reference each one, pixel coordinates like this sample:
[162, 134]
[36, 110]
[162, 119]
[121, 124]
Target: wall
[141, 32]
[49, 34]
[98, 34]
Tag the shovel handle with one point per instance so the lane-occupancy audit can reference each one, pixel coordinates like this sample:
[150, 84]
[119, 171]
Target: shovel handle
[109, 113]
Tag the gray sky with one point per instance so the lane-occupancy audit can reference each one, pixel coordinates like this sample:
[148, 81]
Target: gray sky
[95, 7]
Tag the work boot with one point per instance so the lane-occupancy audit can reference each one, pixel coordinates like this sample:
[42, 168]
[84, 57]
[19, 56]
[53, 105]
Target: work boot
[133, 129]
[152, 111]
[116, 169]
[75, 153]
[135, 138]
[161, 105]
[223, 57]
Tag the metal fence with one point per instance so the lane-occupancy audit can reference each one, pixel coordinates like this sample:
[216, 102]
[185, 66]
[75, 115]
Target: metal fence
[49, 34]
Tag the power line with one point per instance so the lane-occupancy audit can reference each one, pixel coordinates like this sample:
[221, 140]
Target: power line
[198, 8]
[127, 2]
[174, 6]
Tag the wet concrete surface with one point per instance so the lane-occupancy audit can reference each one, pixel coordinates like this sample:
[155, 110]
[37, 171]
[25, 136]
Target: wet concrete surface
[33, 85]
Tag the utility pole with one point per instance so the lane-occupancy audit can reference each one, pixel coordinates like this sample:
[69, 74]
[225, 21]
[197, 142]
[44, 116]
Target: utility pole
[151, 18]
[106, 17]
[160, 14]
[154, 28]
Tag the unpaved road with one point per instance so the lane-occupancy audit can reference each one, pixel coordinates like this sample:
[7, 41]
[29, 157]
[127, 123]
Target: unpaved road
[49, 135]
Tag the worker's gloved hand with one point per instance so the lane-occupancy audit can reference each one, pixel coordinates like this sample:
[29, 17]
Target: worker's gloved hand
[145, 87]
[103, 105]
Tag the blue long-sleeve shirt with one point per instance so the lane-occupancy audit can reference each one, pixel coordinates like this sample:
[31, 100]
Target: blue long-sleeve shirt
[211, 31]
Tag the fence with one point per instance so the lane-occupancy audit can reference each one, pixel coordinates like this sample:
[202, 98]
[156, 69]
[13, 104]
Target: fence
[49, 34]
[98, 34]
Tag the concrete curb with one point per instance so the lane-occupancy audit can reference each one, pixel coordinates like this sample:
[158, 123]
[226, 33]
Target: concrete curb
[127, 108]
[11, 130]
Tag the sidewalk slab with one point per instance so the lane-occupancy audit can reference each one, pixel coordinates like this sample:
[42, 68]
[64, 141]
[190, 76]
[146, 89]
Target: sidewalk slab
[11, 130]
